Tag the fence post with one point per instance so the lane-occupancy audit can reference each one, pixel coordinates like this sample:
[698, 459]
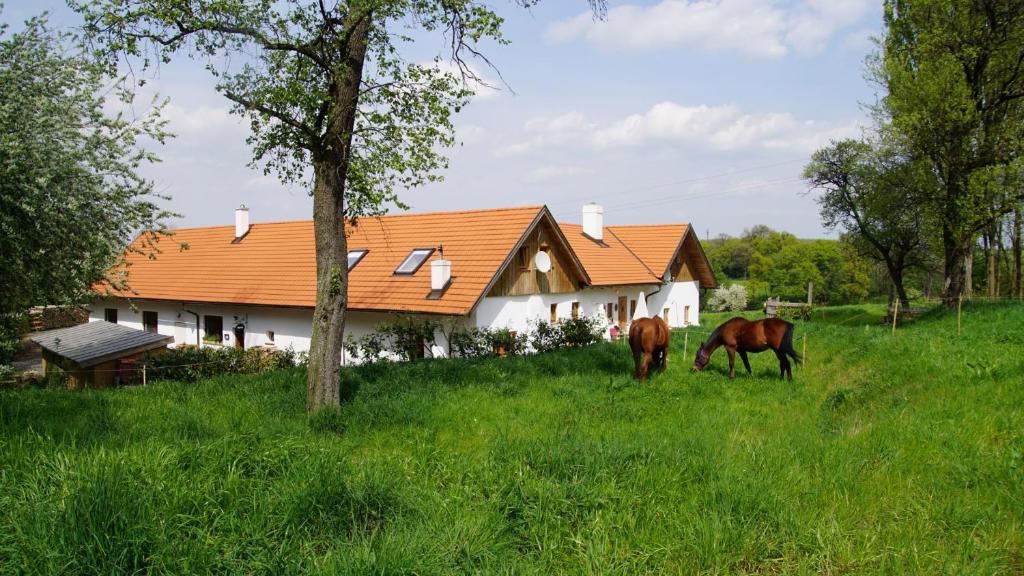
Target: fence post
[804, 355]
[686, 341]
[959, 303]
[895, 314]
[143, 374]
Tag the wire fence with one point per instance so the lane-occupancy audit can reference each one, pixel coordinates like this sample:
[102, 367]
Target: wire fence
[143, 371]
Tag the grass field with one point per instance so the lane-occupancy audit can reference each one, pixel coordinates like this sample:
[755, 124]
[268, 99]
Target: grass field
[886, 455]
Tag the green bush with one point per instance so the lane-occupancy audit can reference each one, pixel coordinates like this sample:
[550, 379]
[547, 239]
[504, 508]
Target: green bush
[470, 343]
[12, 326]
[189, 363]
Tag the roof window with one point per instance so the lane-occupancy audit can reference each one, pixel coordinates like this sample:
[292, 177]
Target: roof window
[413, 261]
[354, 257]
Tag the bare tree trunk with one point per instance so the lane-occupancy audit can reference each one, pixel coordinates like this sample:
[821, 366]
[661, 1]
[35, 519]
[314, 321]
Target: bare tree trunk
[990, 264]
[968, 270]
[954, 267]
[330, 167]
[1017, 225]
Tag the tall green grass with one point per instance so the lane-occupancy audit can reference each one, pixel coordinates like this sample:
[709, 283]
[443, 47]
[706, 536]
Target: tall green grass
[886, 454]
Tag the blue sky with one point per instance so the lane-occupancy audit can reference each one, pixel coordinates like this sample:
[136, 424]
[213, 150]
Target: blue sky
[670, 110]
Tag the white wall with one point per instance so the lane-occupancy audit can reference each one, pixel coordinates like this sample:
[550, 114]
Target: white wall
[292, 327]
[676, 297]
[519, 312]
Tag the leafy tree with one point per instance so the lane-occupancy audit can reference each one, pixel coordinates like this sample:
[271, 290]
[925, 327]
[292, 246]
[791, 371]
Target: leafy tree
[874, 193]
[71, 197]
[325, 87]
[954, 75]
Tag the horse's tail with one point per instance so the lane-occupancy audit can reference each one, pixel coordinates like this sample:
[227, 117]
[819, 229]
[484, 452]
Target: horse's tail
[787, 344]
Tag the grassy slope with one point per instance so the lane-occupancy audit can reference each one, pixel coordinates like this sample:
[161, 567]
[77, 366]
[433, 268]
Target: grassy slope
[885, 455]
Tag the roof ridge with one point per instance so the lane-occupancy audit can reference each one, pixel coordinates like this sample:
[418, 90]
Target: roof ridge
[378, 217]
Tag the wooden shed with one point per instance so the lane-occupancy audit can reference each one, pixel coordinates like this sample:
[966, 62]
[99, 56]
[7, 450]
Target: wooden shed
[96, 354]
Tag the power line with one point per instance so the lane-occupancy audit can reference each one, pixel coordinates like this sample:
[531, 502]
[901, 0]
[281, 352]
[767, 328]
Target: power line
[679, 197]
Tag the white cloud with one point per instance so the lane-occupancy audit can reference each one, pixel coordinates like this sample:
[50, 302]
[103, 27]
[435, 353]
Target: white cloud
[751, 27]
[554, 172]
[482, 86]
[203, 119]
[719, 127]
[550, 131]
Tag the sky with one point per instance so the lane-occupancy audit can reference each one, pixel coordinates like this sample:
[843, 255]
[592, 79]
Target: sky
[699, 111]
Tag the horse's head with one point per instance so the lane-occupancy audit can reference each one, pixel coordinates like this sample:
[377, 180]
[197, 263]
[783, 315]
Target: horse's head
[701, 360]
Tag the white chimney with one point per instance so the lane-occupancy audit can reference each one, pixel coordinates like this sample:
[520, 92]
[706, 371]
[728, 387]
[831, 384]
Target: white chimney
[593, 221]
[241, 221]
[440, 273]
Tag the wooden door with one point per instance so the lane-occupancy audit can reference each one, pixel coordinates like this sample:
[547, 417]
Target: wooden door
[623, 319]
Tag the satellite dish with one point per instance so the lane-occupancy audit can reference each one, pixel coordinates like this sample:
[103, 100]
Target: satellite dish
[542, 261]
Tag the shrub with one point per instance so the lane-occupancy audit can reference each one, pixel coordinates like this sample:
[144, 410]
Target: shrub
[729, 299]
[470, 343]
[406, 339]
[189, 363]
[12, 326]
[506, 342]
[582, 331]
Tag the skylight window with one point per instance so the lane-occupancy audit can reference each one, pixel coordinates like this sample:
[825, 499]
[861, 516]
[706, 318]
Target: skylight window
[354, 256]
[414, 260]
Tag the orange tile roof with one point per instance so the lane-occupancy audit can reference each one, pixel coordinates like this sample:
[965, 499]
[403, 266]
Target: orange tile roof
[275, 263]
[655, 245]
[610, 262]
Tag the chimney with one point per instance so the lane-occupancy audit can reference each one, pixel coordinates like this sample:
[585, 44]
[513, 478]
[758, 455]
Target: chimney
[440, 271]
[593, 221]
[241, 221]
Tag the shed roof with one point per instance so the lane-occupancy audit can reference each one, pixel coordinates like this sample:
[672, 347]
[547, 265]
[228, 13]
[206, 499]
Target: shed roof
[97, 342]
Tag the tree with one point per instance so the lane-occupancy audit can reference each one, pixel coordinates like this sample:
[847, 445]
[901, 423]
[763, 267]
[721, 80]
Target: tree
[954, 75]
[324, 86]
[71, 197]
[873, 192]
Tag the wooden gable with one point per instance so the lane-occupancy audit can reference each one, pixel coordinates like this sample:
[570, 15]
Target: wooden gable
[690, 263]
[521, 277]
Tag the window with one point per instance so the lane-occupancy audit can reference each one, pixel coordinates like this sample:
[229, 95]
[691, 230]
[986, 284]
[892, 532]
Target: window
[686, 315]
[149, 321]
[413, 261]
[632, 309]
[554, 313]
[609, 309]
[110, 315]
[354, 256]
[270, 335]
[665, 314]
[214, 328]
[575, 310]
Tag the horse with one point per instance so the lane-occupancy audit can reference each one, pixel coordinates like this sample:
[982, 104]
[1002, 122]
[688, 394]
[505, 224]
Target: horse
[742, 335]
[648, 339]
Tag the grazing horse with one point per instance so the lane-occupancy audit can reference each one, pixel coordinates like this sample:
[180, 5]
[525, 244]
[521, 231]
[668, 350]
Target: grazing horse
[648, 339]
[742, 335]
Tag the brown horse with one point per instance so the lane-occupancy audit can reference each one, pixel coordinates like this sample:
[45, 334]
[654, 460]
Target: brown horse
[648, 339]
[742, 335]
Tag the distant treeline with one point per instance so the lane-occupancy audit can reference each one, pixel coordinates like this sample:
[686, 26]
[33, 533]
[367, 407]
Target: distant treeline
[773, 263]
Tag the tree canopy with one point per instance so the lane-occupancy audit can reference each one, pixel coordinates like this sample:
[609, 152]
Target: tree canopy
[71, 196]
[953, 73]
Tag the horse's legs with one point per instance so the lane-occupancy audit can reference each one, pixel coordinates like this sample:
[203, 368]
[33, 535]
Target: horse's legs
[783, 365]
[746, 363]
[636, 364]
[645, 365]
[732, 360]
[664, 358]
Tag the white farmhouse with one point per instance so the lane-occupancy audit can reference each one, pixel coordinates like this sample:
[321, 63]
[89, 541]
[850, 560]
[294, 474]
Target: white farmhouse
[254, 284]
